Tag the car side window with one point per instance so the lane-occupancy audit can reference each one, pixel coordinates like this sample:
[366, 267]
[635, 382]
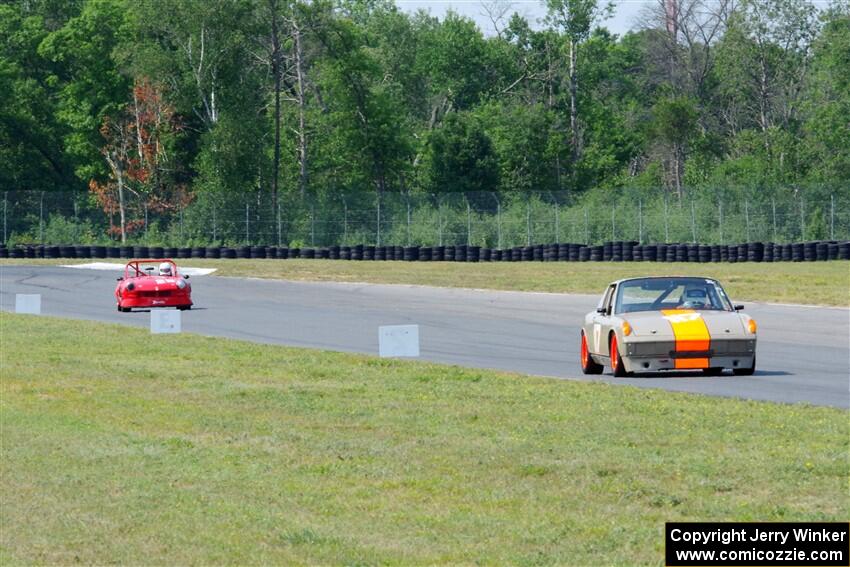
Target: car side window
[610, 306]
[603, 299]
[607, 299]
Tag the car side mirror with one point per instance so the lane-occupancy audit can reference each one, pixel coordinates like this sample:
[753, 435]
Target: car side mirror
[739, 308]
[119, 279]
[602, 310]
[186, 277]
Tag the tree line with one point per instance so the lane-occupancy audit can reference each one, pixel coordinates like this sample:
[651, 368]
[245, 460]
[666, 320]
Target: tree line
[170, 105]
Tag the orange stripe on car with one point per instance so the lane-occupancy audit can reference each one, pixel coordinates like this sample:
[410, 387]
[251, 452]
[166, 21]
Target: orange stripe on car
[691, 334]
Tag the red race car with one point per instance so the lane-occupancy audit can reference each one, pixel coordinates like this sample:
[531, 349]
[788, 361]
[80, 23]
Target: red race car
[152, 283]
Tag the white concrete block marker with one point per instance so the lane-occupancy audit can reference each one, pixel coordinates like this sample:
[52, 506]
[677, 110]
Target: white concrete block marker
[398, 340]
[165, 321]
[29, 303]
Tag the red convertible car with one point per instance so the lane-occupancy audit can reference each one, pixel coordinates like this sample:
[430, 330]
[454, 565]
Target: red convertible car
[152, 283]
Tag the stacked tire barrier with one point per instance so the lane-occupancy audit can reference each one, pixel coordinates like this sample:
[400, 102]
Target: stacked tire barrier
[614, 251]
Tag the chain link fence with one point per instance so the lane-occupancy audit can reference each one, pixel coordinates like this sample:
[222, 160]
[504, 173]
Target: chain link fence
[487, 219]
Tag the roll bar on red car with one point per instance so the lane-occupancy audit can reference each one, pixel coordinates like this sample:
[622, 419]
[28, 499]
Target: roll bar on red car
[135, 266]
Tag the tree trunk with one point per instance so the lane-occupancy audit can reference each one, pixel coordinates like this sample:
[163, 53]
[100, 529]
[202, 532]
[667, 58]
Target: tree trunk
[678, 159]
[119, 178]
[550, 104]
[139, 142]
[276, 72]
[302, 111]
[764, 103]
[573, 107]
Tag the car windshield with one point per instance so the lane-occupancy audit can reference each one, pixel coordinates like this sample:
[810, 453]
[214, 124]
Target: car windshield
[147, 269]
[655, 294]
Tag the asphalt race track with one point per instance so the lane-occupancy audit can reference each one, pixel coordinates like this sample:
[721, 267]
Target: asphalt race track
[803, 352]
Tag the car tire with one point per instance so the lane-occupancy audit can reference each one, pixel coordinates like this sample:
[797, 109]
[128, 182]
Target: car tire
[714, 371]
[746, 371]
[617, 366]
[184, 307]
[588, 365]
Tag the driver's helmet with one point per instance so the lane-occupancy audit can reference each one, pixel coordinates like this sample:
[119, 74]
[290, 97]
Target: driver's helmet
[165, 269]
[695, 295]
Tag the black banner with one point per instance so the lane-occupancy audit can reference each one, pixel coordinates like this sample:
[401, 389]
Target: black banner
[693, 544]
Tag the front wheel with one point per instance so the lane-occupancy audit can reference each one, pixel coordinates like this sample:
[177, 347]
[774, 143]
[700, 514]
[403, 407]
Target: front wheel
[746, 371]
[616, 360]
[588, 365]
[184, 307]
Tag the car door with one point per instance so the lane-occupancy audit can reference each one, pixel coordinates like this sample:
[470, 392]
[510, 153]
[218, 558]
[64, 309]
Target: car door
[602, 322]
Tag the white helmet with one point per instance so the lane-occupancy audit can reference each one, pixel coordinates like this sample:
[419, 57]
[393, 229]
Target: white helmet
[165, 269]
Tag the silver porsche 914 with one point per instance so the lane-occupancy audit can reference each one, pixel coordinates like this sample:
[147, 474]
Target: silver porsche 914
[668, 323]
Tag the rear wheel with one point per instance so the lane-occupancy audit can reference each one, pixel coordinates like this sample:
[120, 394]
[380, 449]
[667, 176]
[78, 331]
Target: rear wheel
[588, 365]
[746, 371]
[617, 365]
[184, 307]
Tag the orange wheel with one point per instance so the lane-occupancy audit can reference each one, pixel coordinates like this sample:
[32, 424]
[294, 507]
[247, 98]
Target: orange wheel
[588, 365]
[616, 361]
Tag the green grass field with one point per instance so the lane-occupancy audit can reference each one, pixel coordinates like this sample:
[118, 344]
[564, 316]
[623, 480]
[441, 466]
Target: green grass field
[817, 283]
[123, 447]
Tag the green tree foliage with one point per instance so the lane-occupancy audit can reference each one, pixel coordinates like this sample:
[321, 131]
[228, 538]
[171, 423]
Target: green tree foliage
[518, 138]
[365, 118]
[31, 129]
[615, 106]
[93, 87]
[576, 18]
[330, 101]
[461, 156]
[828, 102]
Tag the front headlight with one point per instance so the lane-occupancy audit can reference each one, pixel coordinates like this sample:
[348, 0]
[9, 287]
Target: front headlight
[181, 283]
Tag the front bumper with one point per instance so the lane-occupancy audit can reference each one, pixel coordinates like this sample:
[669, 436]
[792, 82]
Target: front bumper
[645, 356]
[173, 300]
[658, 364]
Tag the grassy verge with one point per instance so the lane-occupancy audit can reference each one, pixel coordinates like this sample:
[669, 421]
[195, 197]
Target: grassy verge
[817, 283]
[119, 446]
